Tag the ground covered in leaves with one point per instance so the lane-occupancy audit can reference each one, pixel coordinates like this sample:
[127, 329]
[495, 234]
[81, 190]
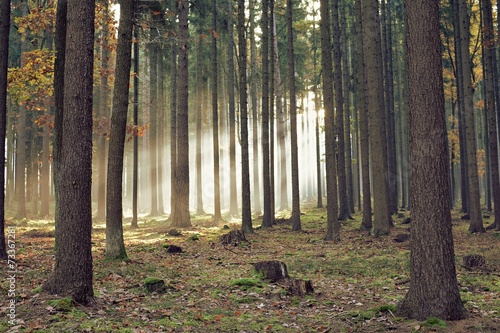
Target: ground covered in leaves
[213, 288]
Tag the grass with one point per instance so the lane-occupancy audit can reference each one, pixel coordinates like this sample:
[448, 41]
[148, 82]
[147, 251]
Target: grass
[358, 282]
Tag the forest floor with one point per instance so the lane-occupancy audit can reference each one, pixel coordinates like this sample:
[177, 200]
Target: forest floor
[211, 288]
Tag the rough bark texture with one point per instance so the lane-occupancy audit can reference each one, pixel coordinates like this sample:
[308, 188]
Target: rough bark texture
[268, 217]
[476, 221]
[375, 102]
[115, 248]
[154, 53]
[181, 210]
[339, 108]
[199, 102]
[215, 115]
[72, 273]
[433, 285]
[246, 215]
[296, 225]
[4, 57]
[333, 225]
[366, 223]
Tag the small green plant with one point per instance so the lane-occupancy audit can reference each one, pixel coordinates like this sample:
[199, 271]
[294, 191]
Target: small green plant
[194, 237]
[433, 322]
[37, 290]
[64, 304]
[386, 308]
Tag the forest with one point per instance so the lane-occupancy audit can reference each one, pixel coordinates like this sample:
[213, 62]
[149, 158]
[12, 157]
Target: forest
[249, 166]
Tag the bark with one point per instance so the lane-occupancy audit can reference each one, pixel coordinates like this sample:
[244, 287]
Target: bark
[271, 112]
[72, 273]
[182, 217]
[433, 283]
[476, 221]
[489, 73]
[215, 115]
[296, 224]
[199, 133]
[333, 225]
[246, 215]
[339, 108]
[135, 176]
[366, 223]
[375, 102]
[4, 60]
[154, 53]
[173, 132]
[115, 248]
[267, 220]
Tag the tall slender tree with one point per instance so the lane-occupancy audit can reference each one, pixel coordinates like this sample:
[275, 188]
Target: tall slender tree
[154, 54]
[115, 247]
[296, 224]
[476, 221]
[333, 224]
[215, 114]
[4, 60]
[246, 215]
[375, 102]
[135, 176]
[72, 273]
[433, 283]
[181, 210]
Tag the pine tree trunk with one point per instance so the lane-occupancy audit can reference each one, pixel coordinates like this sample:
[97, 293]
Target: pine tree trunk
[72, 273]
[246, 215]
[198, 105]
[153, 113]
[333, 224]
[215, 115]
[433, 286]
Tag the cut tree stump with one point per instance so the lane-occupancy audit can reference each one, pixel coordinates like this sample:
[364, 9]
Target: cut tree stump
[272, 270]
[472, 261]
[234, 237]
[298, 287]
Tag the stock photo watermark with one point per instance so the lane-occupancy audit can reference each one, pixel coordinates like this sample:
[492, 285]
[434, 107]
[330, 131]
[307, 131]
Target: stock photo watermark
[11, 275]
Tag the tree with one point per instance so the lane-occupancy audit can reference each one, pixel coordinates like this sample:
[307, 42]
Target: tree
[490, 76]
[233, 192]
[339, 107]
[268, 218]
[72, 273]
[333, 224]
[296, 225]
[366, 223]
[4, 60]
[135, 175]
[115, 248]
[433, 283]
[246, 214]
[181, 208]
[375, 102]
[476, 221]
[215, 115]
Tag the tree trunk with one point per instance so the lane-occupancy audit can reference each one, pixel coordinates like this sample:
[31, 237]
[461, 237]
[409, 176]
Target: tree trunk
[215, 115]
[267, 220]
[433, 286]
[135, 176]
[246, 215]
[489, 73]
[296, 225]
[375, 102]
[182, 217]
[333, 224]
[366, 223]
[199, 133]
[476, 221]
[153, 112]
[173, 132]
[4, 60]
[72, 273]
[115, 248]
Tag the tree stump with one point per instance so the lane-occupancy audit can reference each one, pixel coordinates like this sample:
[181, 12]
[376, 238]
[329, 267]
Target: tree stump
[300, 287]
[174, 249]
[272, 270]
[154, 285]
[472, 261]
[234, 237]
[174, 232]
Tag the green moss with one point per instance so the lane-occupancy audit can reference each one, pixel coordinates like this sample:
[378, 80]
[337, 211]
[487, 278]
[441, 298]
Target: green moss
[151, 280]
[246, 282]
[64, 304]
[37, 290]
[387, 308]
[194, 237]
[435, 322]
